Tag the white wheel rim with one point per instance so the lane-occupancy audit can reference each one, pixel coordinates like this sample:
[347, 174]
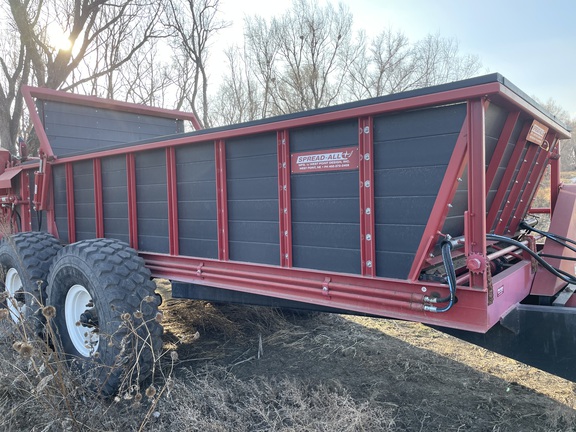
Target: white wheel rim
[13, 285]
[84, 339]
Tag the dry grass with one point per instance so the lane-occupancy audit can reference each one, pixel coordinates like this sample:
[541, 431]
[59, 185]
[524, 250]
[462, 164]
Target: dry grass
[215, 399]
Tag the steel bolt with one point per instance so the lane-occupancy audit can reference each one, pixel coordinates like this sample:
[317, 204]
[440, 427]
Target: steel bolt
[368, 211]
[367, 183]
[474, 264]
[424, 289]
[368, 237]
[369, 264]
[367, 156]
[366, 129]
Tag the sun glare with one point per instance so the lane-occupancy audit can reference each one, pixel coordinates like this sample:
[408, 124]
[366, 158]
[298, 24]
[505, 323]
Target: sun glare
[57, 39]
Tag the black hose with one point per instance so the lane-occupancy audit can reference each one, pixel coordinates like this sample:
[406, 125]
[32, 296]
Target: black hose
[39, 219]
[557, 257]
[18, 220]
[451, 277]
[554, 237]
[566, 277]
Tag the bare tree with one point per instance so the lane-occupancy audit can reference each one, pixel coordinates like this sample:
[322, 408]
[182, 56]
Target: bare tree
[567, 147]
[15, 64]
[307, 58]
[195, 23]
[240, 96]
[314, 50]
[126, 25]
[381, 66]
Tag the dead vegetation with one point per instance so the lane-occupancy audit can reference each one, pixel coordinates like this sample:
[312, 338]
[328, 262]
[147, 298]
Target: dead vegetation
[256, 369]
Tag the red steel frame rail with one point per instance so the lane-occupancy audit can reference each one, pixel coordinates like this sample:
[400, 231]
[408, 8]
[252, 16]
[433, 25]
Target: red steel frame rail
[363, 293]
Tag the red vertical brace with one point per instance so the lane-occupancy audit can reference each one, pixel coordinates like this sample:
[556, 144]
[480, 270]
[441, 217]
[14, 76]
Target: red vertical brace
[533, 181]
[172, 185]
[222, 200]
[507, 216]
[98, 200]
[50, 213]
[476, 214]
[25, 196]
[500, 149]
[366, 173]
[284, 199]
[70, 209]
[132, 203]
[498, 201]
[554, 179]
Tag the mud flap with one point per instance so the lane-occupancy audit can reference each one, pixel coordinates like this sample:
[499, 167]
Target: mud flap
[540, 336]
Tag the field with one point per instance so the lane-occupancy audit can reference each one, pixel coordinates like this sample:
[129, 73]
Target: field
[256, 369]
[242, 368]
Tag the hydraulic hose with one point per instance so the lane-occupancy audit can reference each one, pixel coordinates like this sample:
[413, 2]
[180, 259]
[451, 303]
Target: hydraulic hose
[566, 277]
[451, 277]
[554, 237]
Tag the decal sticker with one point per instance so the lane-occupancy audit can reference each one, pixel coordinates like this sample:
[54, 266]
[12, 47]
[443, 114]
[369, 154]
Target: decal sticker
[325, 160]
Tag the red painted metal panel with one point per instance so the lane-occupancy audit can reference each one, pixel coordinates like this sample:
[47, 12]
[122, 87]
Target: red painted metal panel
[25, 208]
[508, 218]
[50, 214]
[221, 200]
[172, 185]
[555, 181]
[476, 215]
[366, 173]
[534, 180]
[441, 207]
[98, 200]
[70, 206]
[377, 296]
[562, 223]
[510, 287]
[500, 149]
[284, 198]
[132, 203]
[498, 201]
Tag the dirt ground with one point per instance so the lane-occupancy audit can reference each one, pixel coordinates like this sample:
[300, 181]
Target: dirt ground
[416, 378]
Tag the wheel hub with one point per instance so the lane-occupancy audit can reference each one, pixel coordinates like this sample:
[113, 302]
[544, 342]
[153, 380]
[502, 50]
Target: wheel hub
[15, 298]
[81, 323]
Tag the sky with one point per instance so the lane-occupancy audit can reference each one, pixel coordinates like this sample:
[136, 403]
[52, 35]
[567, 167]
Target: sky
[532, 43]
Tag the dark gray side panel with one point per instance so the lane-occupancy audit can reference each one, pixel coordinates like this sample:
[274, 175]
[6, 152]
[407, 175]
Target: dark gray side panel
[152, 206]
[84, 200]
[60, 212]
[196, 177]
[411, 154]
[73, 128]
[326, 205]
[252, 173]
[494, 123]
[115, 198]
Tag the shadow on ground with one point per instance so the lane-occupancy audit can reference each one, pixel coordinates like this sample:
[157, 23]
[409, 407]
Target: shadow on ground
[426, 380]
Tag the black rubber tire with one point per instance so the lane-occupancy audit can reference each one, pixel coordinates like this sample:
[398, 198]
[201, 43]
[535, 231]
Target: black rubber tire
[31, 255]
[120, 287]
